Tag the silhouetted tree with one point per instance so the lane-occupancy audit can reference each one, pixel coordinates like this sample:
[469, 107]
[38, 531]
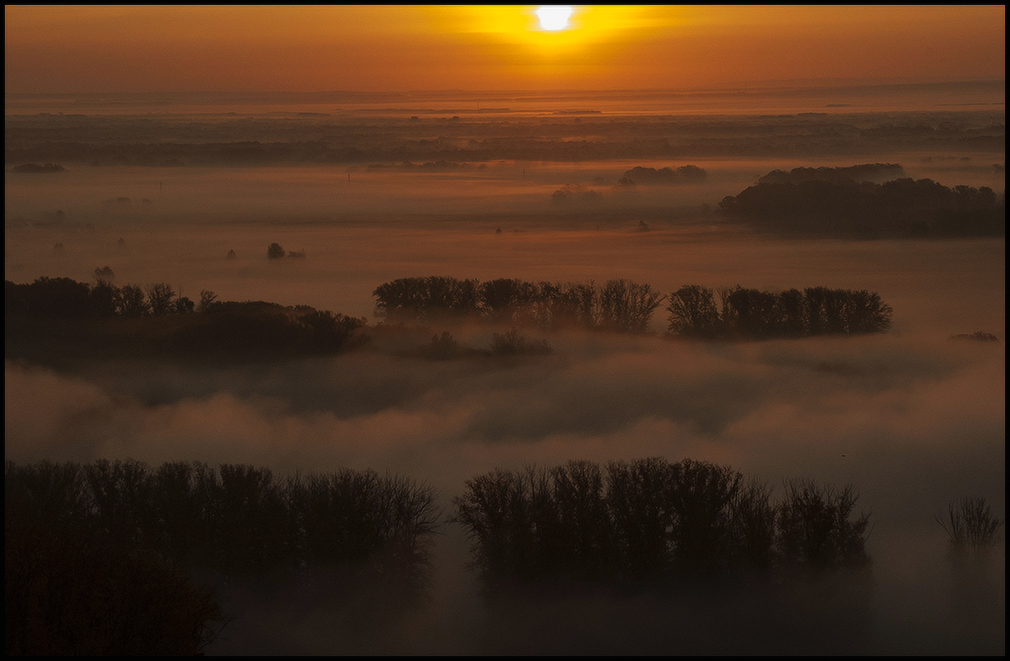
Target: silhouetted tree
[815, 529]
[423, 298]
[207, 298]
[132, 302]
[275, 251]
[627, 306]
[693, 312]
[160, 296]
[183, 305]
[103, 299]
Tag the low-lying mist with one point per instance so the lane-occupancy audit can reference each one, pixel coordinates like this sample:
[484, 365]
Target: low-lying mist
[912, 423]
[911, 419]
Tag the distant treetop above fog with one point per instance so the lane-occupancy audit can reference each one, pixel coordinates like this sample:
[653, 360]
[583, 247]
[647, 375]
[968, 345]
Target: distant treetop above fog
[833, 201]
[682, 175]
[877, 173]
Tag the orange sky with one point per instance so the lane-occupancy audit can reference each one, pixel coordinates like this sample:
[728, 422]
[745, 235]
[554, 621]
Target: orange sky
[315, 48]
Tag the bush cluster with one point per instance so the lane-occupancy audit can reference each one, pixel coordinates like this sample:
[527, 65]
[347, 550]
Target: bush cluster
[752, 313]
[650, 521]
[618, 305]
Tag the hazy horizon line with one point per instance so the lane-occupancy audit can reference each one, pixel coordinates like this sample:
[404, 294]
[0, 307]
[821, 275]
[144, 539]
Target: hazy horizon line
[766, 85]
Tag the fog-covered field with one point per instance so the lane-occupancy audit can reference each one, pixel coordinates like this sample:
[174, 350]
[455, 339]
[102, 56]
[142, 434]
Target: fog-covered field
[910, 418]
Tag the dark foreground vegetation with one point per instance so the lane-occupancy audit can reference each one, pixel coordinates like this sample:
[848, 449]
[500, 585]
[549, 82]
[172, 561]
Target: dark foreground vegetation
[121, 558]
[847, 201]
[651, 523]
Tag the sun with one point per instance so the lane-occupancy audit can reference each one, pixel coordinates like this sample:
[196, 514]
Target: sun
[554, 17]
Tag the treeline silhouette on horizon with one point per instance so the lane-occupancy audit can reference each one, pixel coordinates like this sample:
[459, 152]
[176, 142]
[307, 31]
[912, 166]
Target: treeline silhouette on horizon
[847, 201]
[166, 141]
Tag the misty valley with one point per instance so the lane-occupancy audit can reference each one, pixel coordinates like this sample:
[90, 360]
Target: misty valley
[544, 373]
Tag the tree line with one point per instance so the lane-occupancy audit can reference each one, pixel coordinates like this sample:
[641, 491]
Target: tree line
[234, 518]
[624, 306]
[167, 321]
[68, 298]
[166, 141]
[640, 521]
[113, 557]
[618, 305]
[754, 314]
[170, 321]
[651, 521]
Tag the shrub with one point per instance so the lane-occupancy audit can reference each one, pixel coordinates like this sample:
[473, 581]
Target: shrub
[443, 347]
[970, 524]
[514, 343]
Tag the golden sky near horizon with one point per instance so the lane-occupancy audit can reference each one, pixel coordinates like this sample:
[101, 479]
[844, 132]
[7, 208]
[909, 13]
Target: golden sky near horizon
[394, 48]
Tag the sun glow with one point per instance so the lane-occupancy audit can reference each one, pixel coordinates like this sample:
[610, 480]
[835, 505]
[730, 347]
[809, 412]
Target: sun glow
[554, 17]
